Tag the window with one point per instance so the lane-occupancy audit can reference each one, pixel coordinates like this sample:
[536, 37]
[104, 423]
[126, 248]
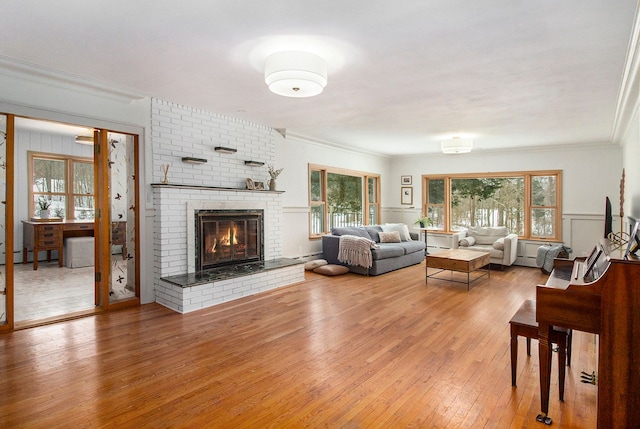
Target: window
[526, 203]
[342, 198]
[66, 182]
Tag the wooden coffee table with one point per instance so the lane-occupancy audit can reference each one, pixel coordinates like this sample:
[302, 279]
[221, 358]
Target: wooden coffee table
[464, 261]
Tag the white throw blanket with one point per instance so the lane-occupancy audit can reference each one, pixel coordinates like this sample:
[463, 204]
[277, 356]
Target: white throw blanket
[356, 251]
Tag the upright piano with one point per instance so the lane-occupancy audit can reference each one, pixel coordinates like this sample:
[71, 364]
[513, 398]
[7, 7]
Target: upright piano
[598, 294]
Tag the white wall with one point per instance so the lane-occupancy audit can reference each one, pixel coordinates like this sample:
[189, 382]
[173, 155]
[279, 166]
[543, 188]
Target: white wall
[631, 156]
[590, 173]
[294, 155]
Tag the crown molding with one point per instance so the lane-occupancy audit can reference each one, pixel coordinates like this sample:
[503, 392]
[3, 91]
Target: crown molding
[48, 77]
[318, 142]
[627, 104]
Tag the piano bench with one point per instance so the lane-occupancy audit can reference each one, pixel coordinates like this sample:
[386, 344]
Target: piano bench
[524, 324]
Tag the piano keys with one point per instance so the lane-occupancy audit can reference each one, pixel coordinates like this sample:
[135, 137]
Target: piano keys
[599, 294]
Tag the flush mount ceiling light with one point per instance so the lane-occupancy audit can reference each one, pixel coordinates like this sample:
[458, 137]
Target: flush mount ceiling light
[456, 145]
[84, 140]
[295, 73]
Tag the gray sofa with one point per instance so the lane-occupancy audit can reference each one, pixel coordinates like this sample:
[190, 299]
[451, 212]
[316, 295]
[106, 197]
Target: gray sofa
[387, 257]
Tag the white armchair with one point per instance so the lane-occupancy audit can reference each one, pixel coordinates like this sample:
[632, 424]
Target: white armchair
[502, 246]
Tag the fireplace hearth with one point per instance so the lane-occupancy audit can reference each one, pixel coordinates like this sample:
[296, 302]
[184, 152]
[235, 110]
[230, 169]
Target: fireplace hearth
[228, 237]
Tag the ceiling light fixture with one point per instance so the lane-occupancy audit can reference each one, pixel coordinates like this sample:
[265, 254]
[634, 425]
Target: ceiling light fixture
[88, 140]
[456, 145]
[295, 73]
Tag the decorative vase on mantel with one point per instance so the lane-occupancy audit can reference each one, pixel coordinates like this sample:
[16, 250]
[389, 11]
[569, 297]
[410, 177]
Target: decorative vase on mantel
[272, 184]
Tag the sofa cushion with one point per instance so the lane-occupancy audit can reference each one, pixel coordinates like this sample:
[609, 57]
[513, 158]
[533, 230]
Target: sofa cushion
[495, 253]
[331, 270]
[487, 235]
[373, 231]
[389, 237]
[467, 241]
[387, 250]
[412, 246]
[499, 244]
[400, 227]
[351, 230]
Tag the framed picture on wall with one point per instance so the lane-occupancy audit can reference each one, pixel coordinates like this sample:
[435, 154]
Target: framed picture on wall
[405, 180]
[406, 195]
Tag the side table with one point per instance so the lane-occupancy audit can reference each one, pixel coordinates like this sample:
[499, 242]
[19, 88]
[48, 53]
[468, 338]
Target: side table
[426, 248]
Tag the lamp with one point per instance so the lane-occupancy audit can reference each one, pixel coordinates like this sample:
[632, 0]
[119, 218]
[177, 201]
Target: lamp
[254, 163]
[295, 73]
[88, 140]
[456, 145]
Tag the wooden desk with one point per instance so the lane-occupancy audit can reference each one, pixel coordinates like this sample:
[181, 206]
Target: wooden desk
[50, 236]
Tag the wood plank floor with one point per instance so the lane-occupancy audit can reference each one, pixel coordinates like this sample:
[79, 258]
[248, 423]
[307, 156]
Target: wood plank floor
[336, 352]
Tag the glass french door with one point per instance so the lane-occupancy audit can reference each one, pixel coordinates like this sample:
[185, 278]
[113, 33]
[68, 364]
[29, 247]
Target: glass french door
[6, 239]
[117, 278]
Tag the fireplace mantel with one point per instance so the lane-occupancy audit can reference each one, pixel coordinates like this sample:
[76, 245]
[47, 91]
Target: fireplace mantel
[212, 188]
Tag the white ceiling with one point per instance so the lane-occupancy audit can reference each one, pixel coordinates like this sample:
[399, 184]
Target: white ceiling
[510, 73]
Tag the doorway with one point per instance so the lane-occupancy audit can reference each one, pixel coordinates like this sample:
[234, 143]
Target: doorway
[88, 178]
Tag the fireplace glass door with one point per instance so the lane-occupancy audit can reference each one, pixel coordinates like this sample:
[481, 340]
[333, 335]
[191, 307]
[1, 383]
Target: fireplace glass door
[229, 238]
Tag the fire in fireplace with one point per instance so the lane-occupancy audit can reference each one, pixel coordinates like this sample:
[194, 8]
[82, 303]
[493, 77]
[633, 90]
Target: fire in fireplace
[228, 237]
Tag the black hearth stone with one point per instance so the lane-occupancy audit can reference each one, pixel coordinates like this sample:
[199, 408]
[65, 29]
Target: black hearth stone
[229, 272]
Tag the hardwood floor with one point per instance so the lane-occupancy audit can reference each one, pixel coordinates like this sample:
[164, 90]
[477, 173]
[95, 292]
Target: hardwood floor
[338, 352]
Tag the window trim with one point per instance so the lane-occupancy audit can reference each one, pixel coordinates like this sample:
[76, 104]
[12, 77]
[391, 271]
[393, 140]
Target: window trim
[528, 189]
[69, 193]
[324, 170]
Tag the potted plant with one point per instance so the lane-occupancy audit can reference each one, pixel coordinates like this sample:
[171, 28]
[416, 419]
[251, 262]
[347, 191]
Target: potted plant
[424, 221]
[43, 206]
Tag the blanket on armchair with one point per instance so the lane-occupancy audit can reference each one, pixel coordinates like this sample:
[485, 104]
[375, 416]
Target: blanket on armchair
[356, 251]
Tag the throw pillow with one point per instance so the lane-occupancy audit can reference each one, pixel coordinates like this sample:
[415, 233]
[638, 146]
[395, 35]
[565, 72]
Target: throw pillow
[350, 230]
[389, 237]
[311, 265]
[467, 241]
[373, 232]
[499, 244]
[331, 270]
[400, 227]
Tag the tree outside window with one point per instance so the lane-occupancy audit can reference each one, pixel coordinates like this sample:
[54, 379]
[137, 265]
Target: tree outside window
[462, 201]
[341, 198]
[50, 178]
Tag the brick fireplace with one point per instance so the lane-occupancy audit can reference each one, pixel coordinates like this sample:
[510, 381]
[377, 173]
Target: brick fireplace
[182, 283]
